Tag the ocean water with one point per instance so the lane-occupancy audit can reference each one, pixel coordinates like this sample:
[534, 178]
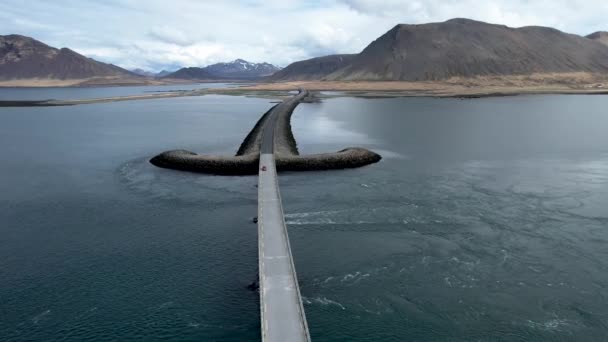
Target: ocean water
[486, 220]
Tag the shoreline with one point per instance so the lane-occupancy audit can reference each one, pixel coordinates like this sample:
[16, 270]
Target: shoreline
[327, 89]
[108, 82]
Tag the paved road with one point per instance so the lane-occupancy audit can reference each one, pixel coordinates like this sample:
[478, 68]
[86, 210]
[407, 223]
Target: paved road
[282, 313]
[267, 145]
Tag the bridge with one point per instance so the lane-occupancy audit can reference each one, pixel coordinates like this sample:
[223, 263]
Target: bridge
[271, 146]
[282, 312]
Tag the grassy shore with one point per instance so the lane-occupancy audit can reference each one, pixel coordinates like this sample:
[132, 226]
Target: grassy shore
[571, 83]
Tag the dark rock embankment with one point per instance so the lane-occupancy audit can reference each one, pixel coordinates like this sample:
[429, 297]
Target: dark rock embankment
[347, 158]
[31, 103]
[217, 165]
[245, 162]
[251, 144]
[287, 158]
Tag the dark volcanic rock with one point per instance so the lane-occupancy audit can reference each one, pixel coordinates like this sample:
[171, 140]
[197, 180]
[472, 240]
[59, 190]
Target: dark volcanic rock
[312, 69]
[458, 48]
[600, 36]
[251, 143]
[246, 161]
[466, 48]
[217, 165]
[347, 158]
[26, 58]
[191, 73]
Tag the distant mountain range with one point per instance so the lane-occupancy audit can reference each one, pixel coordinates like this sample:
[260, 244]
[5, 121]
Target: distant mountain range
[459, 48]
[145, 73]
[23, 57]
[238, 69]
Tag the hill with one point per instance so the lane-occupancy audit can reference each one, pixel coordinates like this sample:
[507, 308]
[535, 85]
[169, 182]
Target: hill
[191, 73]
[462, 48]
[312, 69]
[163, 73]
[600, 36]
[238, 69]
[23, 58]
[142, 72]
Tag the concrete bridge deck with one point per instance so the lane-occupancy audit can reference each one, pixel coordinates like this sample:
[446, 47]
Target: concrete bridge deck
[269, 146]
[282, 312]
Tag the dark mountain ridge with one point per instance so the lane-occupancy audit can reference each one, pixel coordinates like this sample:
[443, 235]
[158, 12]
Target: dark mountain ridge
[312, 69]
[238, 69]
[23, 57]
[191, 73]
[142, 72]
[600, 36]
[463, 48]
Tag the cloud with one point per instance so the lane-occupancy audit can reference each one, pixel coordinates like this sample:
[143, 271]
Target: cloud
[324, 40]
[196, 33]
[385, 7]
[170, 35]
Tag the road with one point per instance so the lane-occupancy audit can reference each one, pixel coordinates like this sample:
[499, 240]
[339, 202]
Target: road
[282, 312]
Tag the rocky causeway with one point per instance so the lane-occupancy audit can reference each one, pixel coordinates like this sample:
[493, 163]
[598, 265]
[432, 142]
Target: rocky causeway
[246, 161]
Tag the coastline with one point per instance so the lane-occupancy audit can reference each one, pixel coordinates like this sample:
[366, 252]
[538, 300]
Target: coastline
[562, 83]
[106, 82]
[471, 88]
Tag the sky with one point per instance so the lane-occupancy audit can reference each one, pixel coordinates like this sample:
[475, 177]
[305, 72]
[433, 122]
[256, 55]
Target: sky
[160, 34]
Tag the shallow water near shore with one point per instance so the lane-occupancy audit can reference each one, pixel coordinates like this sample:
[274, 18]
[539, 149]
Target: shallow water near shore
[486, 220]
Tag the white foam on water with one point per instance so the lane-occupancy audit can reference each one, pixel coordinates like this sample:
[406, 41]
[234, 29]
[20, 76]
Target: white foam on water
[359, 216]
[553, 324]
[40, 316]
[386, 154]
[350, 276]
[322, 301]
[312, 213]
[447, 281]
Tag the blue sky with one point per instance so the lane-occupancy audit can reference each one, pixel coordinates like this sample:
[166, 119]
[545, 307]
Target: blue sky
[157, 34]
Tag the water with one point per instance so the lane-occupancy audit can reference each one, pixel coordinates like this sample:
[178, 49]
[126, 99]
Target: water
[485, 221]
[67, 93]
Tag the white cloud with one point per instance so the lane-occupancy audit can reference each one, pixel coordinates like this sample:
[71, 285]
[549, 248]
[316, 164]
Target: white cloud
[170, 35]
[156, 35]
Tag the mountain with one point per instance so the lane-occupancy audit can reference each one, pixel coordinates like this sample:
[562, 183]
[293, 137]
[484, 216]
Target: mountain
[237, 70]
[23, 57]
[466, 48]
[145, 73]
[240, 68]
[312, 69]
[163, 73]
[142, 72]
[600, 36]
[192, 73]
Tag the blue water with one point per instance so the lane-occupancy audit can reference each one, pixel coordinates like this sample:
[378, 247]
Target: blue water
[486, 220]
